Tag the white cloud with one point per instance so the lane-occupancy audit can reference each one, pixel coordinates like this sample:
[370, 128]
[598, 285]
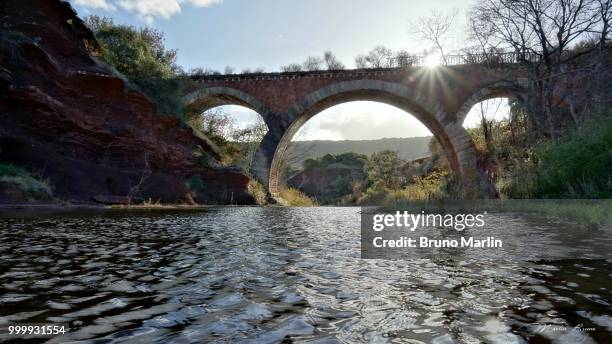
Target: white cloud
[361, 120]
[202, 3]
[147, 10]
[101, 4]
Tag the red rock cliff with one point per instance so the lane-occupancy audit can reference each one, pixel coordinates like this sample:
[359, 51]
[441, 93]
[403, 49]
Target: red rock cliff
[66, 115]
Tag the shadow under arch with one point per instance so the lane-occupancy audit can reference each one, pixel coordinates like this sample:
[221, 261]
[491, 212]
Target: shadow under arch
[211, 97]
[497, 90]
[207, 98]
[453, 138]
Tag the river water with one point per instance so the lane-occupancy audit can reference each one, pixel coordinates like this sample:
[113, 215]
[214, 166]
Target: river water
[270, 275]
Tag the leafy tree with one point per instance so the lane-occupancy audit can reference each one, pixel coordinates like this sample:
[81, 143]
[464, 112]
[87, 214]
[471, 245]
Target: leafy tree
[310, 164]
[352, 159]
[349, 159]
[140, 55]
[383, 170]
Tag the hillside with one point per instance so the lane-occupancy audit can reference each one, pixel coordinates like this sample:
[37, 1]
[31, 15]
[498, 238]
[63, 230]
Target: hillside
[408, 148]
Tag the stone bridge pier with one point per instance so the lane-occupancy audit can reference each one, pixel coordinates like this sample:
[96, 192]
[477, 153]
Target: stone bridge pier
[440, 98]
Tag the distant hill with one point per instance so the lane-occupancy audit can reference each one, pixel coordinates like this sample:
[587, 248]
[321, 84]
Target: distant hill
[408, 148]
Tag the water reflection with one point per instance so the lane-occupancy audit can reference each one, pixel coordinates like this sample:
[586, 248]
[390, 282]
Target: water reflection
[265, 275]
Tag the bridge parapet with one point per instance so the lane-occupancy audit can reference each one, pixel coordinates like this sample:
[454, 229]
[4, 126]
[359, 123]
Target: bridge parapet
[446, 86]
[322, 74]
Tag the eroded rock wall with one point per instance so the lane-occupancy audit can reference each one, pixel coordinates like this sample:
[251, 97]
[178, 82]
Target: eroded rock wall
[69, 117]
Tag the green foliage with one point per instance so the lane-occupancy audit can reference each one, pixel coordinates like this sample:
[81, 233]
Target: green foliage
[202, 156]
[437, 185]
[578, 165]
[338, 184]
[10, 170]
[33, 187]
[137, 53]
[237, 146]
[383, 170]
[195, 184]
[258, 191]
[141, 56]
[349, 159]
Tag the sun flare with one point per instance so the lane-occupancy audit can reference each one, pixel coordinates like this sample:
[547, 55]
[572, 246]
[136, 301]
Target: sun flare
[432, 61]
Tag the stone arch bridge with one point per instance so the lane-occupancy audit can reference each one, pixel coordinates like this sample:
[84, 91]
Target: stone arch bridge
[438, 97]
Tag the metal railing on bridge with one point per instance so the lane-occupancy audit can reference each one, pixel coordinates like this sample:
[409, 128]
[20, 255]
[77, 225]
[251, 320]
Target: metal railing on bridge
[490, 59]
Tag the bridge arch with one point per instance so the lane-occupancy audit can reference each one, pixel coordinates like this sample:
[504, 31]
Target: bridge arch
[453, 138]
[497, 90]
[207, 98]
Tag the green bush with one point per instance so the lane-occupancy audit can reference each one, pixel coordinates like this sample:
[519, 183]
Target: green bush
[579, 164]
[349, 159]
[258, 191]
[10, 170]
[141, 56]
[33, 187]
[383, 170]
[195, 184]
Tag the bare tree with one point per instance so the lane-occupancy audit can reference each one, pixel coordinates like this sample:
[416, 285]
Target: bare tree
[487, 111]
[312, 63]
[294, 67]
[436, 29]
[604, 9]
[332, 62]
[404, 59]
[545, 28]
[228, 70]
[360, 62]
[379, 57]
[251, 138]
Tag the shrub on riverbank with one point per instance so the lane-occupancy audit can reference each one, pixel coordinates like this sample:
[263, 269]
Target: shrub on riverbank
[578, 165]
[32, 186]
[258, 191]
[296, 198]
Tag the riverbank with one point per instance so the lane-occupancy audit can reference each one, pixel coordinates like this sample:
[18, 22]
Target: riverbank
[35, 209]
[593, 213]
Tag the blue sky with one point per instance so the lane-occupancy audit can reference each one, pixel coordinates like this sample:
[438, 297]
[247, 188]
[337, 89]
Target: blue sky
[271, 33]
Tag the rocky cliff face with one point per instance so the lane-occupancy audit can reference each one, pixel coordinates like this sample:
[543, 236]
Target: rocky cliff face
[66, 115]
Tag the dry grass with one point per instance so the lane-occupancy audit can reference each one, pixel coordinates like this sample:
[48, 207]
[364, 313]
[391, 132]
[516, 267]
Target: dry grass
[296, 198]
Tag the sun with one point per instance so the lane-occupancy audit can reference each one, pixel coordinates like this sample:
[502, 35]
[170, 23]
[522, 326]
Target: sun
[432, 61]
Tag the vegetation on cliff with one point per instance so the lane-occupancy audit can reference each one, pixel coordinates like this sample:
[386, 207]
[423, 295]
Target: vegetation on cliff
[32, 186]
[140, 55]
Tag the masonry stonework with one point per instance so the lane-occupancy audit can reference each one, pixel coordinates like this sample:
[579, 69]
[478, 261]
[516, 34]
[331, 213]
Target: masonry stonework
[440, 98]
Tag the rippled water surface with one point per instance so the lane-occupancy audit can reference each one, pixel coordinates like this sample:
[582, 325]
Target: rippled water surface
[268, 275]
